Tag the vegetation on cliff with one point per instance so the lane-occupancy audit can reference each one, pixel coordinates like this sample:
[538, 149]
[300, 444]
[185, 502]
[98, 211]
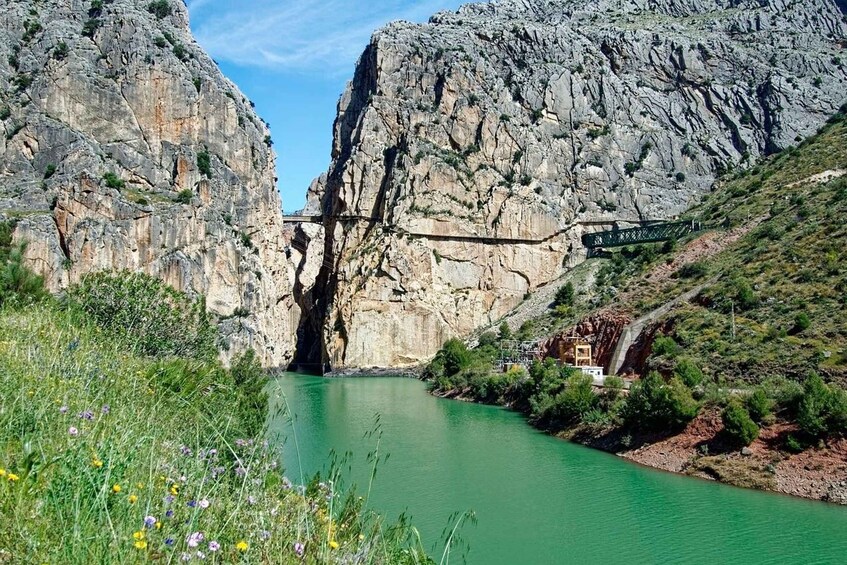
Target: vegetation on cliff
[123, 439]
[762, 339]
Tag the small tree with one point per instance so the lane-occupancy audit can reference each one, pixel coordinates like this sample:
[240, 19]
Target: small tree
[656, 405]
[688, 372]
[565, 295]
[160, 8]
[185, 196]
[760, 405]
[505, 332]
[739, 428]
[204, 163]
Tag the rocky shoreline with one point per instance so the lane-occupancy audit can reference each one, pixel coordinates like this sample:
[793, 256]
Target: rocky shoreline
[818, 473]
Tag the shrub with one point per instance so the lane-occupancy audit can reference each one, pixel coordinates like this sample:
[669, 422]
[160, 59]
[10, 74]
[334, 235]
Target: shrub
[693, 270]
[160, 41]
[49, 171]
[801, 323]
[823, 409]
[565, 295]
[680, 177]
[5, 113]
[114, 181]
[61, 51]
[18, 284]
[151, 317]
[739, 428]
[180, 52]
[204, 163]
[688, 372]
[505, 331]
[759, 405]
[90, 27]
[185, 196]
[488, 339]
[250, 383]
[656, 405]
[664, 346]
[160, 8]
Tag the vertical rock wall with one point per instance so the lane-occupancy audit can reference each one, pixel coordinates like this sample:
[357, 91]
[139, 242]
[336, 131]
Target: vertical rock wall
[126, 148]
[472, 152]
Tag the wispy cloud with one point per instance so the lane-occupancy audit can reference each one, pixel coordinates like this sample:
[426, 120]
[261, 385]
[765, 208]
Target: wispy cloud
[311, 36]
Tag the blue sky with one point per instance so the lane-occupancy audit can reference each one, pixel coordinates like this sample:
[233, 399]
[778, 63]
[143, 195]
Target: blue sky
[293, 58]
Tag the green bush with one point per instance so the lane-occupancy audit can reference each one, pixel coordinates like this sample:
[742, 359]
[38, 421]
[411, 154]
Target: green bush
[688, 372]
[505, 332]
[160, 8]
[185, 196]
[801, 323]
[739, 428]
[664, 346]
[204, 163]
[655, 405]
[90, 27]
[153, 318]
[823, 409]
[759, 405]
[114, 181]
[565, 295]
[19, 286]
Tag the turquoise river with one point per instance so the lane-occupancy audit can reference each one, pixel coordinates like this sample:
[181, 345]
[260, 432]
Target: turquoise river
[537, 499]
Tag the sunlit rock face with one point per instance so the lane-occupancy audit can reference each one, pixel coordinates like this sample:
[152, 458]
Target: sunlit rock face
[126, 148]
[484, 143]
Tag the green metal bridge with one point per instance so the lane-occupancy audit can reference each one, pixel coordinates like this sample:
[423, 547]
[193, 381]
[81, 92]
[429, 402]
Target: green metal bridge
[642, 234]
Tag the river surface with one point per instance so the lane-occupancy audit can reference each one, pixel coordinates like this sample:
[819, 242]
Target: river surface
[537, 499]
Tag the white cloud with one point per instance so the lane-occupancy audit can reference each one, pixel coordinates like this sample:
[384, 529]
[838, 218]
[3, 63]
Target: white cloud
[316, 36]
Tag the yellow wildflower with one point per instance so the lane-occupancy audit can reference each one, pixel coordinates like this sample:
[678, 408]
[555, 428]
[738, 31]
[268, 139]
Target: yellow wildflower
[2, 472]
[141, 544]
[158, 525]
[116, 488]
[361, 537]
[139, 485]
[333, 544]
[97, 462]
[175, 490]
[133, 499]
[241, 546]
[12, 477]
[139, 535]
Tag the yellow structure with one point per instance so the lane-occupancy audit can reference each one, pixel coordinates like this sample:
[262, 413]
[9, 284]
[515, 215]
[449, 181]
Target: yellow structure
[576, 351]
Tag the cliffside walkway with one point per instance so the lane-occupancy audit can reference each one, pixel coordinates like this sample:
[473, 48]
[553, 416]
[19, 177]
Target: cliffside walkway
[648, 231]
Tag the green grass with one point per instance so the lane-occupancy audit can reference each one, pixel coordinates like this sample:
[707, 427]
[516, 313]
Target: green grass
[111, 455]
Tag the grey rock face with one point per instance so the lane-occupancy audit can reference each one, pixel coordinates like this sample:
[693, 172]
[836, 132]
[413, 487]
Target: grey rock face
[125, 148]
[486, 142]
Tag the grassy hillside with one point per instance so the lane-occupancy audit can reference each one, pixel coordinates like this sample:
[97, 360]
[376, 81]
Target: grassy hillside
[785, 279]
[123, 440]
[771, 288]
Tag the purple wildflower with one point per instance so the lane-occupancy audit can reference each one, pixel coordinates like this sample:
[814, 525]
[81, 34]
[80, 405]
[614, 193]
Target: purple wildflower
[240, 471]
[169, 541]
[169, 514]
[214, 546]
[299, 549]
[194, 539]
[63, 410]
[286, 484]
[87, 415]
[168, 499]
[73, 431]
[105, 409]
[191, 503]
[265, 534]
[186, 451]
[204, 504]
[149, 521]
[241, 443]
[251, 500]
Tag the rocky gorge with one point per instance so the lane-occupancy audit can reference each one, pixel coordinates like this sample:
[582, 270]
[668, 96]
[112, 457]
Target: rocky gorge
[472, 152]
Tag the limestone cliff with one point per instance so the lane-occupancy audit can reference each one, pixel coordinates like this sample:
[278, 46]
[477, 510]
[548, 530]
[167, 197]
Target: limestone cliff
[126, 148]
[472, 152]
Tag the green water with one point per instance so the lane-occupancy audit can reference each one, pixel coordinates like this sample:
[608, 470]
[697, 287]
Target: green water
[538, 499]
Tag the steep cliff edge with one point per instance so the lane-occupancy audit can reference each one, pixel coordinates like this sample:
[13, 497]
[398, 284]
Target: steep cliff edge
[472, 152]
[126, 148]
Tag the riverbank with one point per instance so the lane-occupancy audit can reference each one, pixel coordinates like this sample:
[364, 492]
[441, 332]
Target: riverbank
[699, 450]
[128, 443]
